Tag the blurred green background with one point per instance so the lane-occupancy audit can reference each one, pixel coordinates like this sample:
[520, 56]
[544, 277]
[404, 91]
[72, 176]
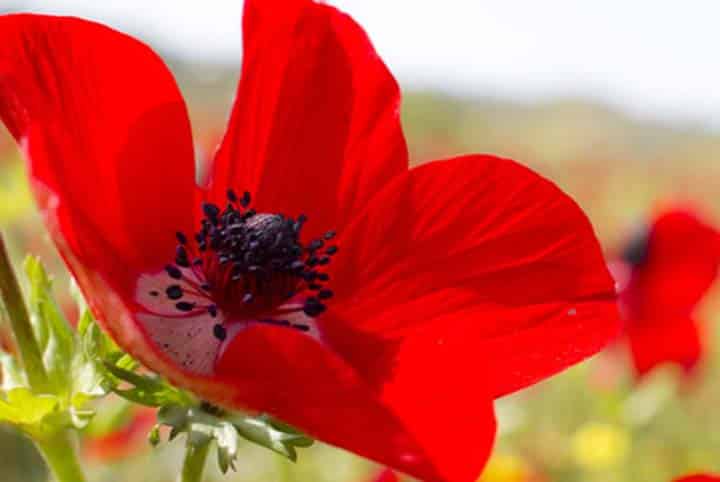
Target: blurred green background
[590, 424]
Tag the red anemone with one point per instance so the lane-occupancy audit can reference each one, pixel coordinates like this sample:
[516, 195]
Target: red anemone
[672, 265]
[455, 282]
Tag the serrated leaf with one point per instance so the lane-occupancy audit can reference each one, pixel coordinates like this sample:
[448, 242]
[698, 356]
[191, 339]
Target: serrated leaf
[260, 430]
[146, 390]
[54, 334]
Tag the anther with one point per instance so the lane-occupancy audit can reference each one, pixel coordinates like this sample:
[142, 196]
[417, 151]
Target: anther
[325, 293]
[315, 245]
[219, 332]
[174, 292]
[181, 257]
[182, 239]
[173, 271]
[331, 250]
[245, 200]
[211, 210]
[185, 306]
[313, 307]
[212, 309]
[232, 197]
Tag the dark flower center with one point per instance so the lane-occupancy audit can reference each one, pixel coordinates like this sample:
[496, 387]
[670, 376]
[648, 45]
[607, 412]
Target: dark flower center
[251, 266]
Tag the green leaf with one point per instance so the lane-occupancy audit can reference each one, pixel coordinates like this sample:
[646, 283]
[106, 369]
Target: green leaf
[12, 374]
[147, 390]
[22, 407]
[54, 334]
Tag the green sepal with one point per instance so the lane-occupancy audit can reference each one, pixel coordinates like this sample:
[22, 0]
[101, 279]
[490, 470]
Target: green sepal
[202, 426]
[151, 391]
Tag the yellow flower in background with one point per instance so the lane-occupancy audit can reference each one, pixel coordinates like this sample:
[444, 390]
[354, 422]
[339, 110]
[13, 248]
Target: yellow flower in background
[598, 446]
[506, 468]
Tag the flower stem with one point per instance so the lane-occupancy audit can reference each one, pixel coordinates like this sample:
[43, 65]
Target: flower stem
[59, 453]
[194, 463]
[13, 300]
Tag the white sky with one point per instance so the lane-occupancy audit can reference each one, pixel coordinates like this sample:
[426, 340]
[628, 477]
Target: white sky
[654, 58]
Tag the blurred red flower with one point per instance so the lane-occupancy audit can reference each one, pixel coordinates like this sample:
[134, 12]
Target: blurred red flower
[671, 266]
[127, 441]
[699, 478]
[386, 475]
[455, 282]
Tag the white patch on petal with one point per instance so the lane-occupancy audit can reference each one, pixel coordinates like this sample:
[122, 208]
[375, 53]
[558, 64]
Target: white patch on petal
[187, 338]
[189, 341]
[158, 283]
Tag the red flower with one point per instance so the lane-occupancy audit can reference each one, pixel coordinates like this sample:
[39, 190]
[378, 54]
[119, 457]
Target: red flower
[124, 442]
[455, 282]
[699, 478]
[672, 266]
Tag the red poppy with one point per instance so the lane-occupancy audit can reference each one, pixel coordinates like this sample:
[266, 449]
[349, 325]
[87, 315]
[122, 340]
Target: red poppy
[672, 265]
[455, 282]
[699, 478]
[124, 442]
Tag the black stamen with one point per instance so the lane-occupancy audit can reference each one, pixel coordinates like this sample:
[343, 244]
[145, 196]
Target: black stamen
[219, 332]
[331, 250]
[315, 245]
[325, 293]
[154, 293]
[182, 239]
[232, 197]
[174, 292]
[313, 307]
[211, 210]
[212, 309]
[185, 306]
[245, 200]
[173, 271]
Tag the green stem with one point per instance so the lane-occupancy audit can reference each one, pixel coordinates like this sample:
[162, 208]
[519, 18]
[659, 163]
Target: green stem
[14, 302]
[59, 453]
[194, 463]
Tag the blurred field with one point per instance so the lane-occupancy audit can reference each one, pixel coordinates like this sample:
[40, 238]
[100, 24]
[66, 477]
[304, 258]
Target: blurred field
[589, 424]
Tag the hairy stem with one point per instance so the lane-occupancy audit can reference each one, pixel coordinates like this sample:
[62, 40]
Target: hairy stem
[59, 453]
[14, 302]
[194, 463]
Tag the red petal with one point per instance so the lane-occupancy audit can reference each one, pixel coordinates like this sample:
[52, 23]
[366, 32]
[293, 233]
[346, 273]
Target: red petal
[483, 248]
[107, 137]
[664, 340]
[412, 422]
[315, 128]
[682, 261]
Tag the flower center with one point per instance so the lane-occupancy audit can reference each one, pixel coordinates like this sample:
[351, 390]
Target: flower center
[252, 266]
